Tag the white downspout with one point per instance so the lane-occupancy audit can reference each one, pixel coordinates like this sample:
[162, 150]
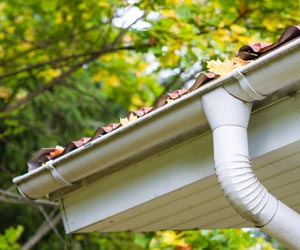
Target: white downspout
[228, 118]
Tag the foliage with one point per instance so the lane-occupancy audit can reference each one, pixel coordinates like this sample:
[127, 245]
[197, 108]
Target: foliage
[68, 67]
[8, 240]
[231, 239]
[203, 239]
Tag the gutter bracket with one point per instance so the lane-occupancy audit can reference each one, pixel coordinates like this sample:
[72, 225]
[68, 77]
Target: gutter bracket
[246, 85]
[55, 174]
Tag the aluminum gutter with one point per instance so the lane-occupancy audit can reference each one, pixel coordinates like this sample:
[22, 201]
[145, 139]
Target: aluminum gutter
[129, 144]
[169, 125]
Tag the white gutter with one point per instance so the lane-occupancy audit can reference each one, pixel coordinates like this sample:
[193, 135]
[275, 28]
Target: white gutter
[228, 118]
[170, 124]
[120, 148]
[266, 75]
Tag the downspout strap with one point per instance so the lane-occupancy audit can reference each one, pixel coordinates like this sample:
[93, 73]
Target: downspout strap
[55, 174]
[246, 86]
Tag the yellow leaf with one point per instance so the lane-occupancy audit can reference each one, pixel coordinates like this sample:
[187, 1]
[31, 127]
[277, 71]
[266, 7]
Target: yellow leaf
[104, 4]
[170, 100]
[69, 17]
[169, 237]
[86, 15]
[223, 68]
[238, 29]
[168, 13]
[271, 23]
[106, 58]
[29, 34]
[50, 74]
[2, 5]
[79, 237]
[10, 29]
[98, 76]
[173, 239]
[59, 18]
[136, 101]
[4, 92]
[19, 19]
[112, 81]
[170, 59]
[21, 94]
[238, 61]
[124, 121]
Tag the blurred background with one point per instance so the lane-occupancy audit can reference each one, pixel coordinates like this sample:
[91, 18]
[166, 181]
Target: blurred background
[69, 67]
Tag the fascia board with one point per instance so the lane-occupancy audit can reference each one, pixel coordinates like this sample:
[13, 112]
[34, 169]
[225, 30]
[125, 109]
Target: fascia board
[178, 189]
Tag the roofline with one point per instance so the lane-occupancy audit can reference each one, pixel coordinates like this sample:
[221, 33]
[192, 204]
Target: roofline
[169, 125]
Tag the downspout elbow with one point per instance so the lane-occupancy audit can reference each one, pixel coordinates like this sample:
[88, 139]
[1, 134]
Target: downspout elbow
[228, 118]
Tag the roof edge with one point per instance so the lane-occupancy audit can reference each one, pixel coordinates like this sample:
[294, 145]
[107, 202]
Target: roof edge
[163, 128]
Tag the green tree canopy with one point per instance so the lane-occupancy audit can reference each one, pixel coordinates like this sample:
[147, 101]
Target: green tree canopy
[68, 67]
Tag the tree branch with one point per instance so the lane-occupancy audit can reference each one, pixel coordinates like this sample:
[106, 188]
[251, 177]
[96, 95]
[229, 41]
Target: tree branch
[18, 199]
[44, 229]
[45, 44]
[47, 86]
[95, 98]
[66, 58]
[58, 80]
[88, 94]
[50, 223]
[124, 30]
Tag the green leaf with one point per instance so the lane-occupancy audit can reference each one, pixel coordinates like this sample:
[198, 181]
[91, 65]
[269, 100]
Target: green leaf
[48, 5]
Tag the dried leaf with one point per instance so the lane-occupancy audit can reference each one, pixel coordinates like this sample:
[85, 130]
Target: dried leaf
[132, 117]
[56, 152]
[142, 111]
[170, 100]
[111, 127]
[223, 68]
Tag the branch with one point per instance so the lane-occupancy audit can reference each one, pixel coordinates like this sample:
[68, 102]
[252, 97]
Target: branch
[124, 30]
[50, 62]
[169, 85]
[85, 93]
[50, 223]
[47, 86]
[60, 78]
[18, 199]
[88, 94]
[41, 64]
[28, 202]
[66, 58]
[45, 44]
[44, 229]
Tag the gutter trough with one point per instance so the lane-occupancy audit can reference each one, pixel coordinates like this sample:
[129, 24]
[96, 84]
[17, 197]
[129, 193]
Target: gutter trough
[172, 123]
